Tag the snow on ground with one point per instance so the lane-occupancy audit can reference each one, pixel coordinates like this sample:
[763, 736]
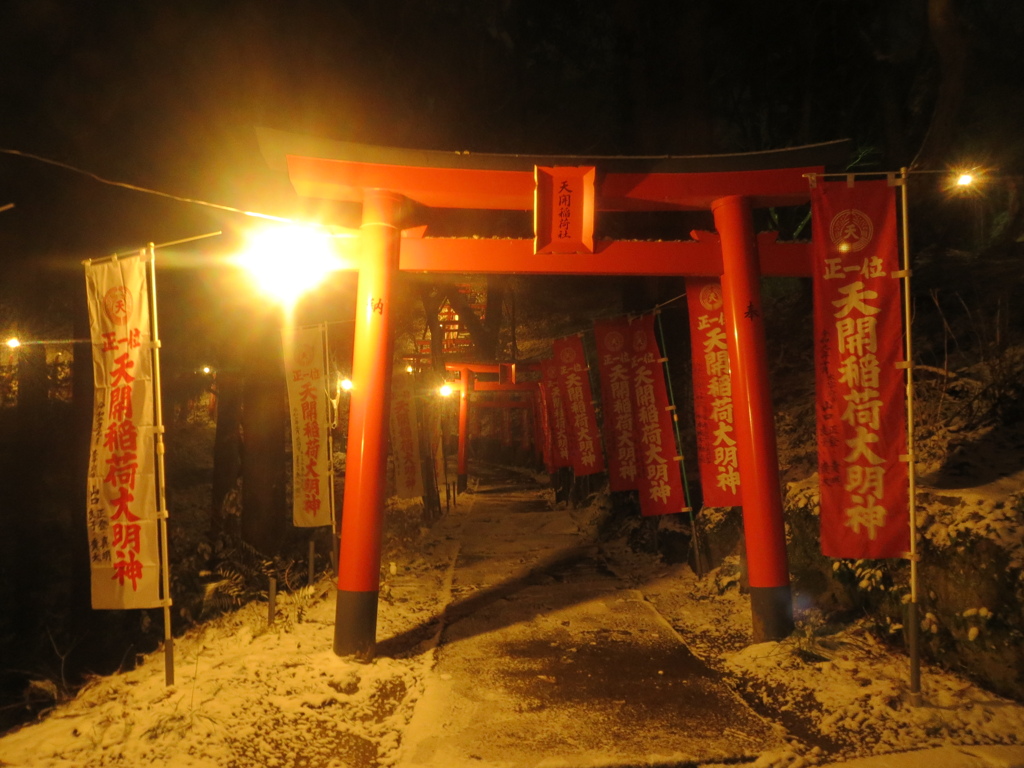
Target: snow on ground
[246, 694]
[249, 693]
[842, 694]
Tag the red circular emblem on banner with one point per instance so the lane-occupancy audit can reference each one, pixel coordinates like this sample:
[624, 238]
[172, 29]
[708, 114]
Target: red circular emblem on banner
[568, 355]
[614, 341]
[304, 358]
[851, 230]
[118, 305]
[711, 297]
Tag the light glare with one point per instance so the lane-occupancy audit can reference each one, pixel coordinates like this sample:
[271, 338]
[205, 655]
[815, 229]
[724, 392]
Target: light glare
[445, 390]
[285, 262]
[13, 343]
[964, 180]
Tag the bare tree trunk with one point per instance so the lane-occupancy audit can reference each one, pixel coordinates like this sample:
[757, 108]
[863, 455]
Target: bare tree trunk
[494, 312]
[227, 446]
[264, 426]
[431, 299]
[950, 39]
[484, 333]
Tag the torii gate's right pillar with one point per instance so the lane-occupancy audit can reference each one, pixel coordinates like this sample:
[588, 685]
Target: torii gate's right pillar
[771, 599]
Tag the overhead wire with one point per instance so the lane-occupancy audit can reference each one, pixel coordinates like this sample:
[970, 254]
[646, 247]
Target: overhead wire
[137, 188]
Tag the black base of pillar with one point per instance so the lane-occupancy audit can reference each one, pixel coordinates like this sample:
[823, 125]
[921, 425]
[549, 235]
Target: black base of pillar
[355, 625]
[463, 483]
[771, 611]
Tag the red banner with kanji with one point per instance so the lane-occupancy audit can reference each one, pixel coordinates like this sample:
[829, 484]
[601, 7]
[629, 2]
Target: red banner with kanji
[660, 481]
[717, 457]
[305, 366]
[558, 421]
[574, 377]
[615, 367]
[861, 405]
[121, 506]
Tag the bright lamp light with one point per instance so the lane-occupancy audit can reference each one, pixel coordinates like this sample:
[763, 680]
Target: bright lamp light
[13, 343]
[285, 262]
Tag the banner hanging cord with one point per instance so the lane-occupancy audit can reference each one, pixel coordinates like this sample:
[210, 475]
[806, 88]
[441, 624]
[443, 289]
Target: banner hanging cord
[673, 300]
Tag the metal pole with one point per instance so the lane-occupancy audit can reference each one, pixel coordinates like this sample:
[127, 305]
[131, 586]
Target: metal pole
[698, 556]
[161, 475]
[365, 475]
[913, 626]
[771, 599]
[151, 246]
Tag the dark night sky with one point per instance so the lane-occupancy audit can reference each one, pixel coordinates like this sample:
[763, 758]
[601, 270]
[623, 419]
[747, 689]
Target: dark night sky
[166, 95]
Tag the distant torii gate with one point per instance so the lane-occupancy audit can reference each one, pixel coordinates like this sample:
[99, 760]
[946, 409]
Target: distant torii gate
[386, 180]
[468, 383]
[506, 406]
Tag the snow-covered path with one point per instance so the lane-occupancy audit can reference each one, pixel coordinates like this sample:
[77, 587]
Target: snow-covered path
[547, 658]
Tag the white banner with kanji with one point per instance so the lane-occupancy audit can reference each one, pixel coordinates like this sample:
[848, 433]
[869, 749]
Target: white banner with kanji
[121, 520]
[305, 366]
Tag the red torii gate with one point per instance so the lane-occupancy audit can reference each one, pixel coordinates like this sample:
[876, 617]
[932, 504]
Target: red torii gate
[386, 181]
[469, 383]
[507, 406]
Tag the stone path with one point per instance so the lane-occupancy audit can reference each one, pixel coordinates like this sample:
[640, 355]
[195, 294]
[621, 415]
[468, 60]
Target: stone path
[547, 659]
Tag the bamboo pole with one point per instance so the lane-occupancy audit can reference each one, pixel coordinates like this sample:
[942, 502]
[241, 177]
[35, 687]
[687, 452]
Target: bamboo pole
[161, 475]
[913, 624]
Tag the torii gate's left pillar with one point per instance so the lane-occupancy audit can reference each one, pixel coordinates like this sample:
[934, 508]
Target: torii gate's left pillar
[355, 627]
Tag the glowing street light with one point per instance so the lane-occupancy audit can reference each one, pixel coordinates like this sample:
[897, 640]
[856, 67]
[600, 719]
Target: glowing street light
[13, 342]
[964, 180]
[445, 390]
[285, 262]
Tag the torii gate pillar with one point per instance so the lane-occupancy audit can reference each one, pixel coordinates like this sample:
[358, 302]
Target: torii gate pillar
[355, 627]
[764, 527]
